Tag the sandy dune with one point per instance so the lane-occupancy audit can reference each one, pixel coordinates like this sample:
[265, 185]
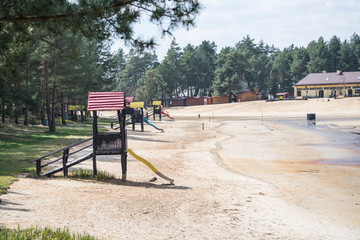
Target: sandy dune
[251, 170]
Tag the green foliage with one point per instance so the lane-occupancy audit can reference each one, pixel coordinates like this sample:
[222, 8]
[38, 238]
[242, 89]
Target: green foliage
[149, 87]
[41, 233]
[170, 69]
[230, 75]
[318, 56]
[96, 19]
[137, 63]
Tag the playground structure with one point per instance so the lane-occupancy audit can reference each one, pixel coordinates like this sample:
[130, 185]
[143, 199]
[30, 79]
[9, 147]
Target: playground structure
[157, 109]
[72, 111]
[103, 143]
[136, 112]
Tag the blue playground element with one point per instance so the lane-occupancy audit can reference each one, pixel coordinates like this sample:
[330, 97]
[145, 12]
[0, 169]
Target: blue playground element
[147, 121]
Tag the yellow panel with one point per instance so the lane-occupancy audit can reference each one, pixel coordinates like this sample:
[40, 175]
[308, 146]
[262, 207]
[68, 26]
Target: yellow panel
[137, 104]
[156, 103]
[76, 107]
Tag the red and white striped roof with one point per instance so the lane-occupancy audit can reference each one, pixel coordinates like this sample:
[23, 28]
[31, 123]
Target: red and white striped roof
[103, 101]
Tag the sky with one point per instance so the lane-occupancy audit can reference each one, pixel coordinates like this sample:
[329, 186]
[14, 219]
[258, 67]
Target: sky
[275, 22]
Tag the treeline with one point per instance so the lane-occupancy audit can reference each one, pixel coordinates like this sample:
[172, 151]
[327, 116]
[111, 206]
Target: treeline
[38, 79]
[201, 71]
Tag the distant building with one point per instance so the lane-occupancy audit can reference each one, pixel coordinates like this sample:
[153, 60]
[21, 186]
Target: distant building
[329, 85]
[246, 96]
[192, 101]
[179, 101]
[221, 99]
[283, 95]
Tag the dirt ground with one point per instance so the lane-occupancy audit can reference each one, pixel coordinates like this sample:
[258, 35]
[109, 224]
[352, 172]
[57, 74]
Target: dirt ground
[252, 170]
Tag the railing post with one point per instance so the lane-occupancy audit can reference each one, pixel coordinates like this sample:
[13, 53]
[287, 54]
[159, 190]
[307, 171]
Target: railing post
[141, 119]
[38, 167]
[133, 120]
[95, 132]
[154, 113]
[65, 159]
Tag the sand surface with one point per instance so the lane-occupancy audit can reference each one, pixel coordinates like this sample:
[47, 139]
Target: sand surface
[252, 170]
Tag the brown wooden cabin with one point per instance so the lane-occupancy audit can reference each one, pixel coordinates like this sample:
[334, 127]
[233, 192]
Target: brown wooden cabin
[246, 96]
[220, 99]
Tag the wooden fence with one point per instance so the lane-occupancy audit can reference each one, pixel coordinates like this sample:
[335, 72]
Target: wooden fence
[64, 158]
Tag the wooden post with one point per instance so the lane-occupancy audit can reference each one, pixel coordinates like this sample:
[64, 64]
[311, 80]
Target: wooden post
[65, 159]
[95, 131]
[133, 120]
[38, 167]
[154, 112]
[141, 117]
[121, 117]
[160, 112]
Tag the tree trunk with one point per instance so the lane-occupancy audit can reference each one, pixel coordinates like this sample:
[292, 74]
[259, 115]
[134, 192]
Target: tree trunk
[43, 95]
[16, 115]
[43, 118]
[52, 125]
[26, 107]
[26, 117]
[47, 93]
[3, 112]
[63, 121]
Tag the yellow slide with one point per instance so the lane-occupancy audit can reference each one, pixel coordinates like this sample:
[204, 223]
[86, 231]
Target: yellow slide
[147, 163]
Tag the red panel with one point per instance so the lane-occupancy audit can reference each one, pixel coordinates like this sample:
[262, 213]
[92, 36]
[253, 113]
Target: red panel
[102, 101]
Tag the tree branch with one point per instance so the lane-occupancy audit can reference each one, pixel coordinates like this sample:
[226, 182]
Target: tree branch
[83, 12]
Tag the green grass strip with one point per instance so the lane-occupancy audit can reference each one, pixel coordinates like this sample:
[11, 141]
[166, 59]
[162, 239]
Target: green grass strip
[89, 174]
[41, 233]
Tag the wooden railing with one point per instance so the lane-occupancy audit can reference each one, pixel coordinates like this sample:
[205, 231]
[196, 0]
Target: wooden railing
[64, 158]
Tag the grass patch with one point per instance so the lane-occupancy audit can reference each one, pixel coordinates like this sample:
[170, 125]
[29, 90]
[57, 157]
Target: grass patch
[41, 233]
[20, 144]
[89, 174]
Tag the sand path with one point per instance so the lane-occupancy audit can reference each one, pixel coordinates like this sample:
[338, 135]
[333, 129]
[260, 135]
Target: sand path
[239, 178]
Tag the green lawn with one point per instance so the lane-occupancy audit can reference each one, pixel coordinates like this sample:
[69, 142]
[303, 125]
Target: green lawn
[19, 144]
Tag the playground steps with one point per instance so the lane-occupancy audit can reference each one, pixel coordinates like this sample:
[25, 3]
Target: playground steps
[69, 164]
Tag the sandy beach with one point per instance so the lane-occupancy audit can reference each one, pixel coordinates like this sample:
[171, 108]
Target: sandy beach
[248, 170]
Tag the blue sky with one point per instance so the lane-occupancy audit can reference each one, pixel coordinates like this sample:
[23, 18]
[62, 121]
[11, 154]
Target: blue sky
[276, 22]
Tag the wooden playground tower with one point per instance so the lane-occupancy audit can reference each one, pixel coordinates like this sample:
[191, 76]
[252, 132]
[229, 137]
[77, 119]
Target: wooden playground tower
[156, 109]
[109, 143]
[136, 111]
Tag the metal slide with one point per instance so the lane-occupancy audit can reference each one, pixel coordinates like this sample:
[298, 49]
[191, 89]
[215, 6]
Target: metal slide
[166, 115]
[147, 121]
[147, 163]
